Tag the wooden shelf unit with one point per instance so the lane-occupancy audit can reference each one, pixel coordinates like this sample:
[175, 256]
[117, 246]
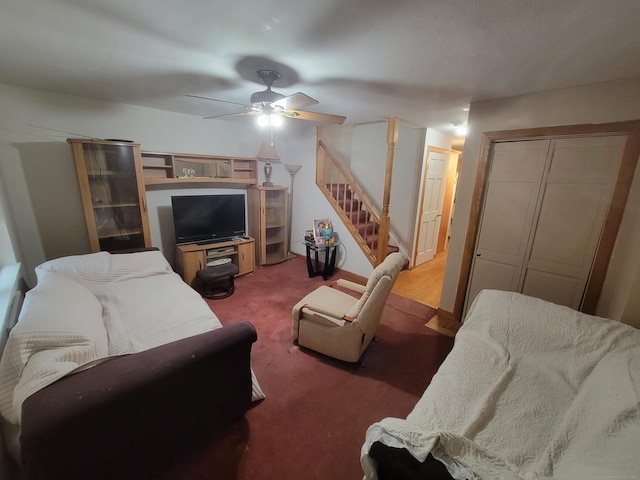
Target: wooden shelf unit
[113, 193]
[168, 169]
[268, 223]
[193, 257]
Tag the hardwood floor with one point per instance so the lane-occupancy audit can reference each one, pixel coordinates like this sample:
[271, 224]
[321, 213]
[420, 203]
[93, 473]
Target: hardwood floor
[424, 282]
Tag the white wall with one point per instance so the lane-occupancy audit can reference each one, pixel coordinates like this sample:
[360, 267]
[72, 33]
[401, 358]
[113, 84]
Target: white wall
[7, 255]
[369, 157]
[340, 140]
[44, 212]
[605, 102]
[405, 185]
[438, 139]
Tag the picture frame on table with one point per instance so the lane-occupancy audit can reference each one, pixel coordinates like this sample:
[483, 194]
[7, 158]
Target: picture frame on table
[320, 241]
[317, 226]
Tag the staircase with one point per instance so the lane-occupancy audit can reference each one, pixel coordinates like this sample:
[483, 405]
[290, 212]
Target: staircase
[353, 207]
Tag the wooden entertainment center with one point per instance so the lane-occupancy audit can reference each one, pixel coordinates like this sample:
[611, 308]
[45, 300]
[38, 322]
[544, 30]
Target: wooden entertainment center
[192, 257]
[115, 174]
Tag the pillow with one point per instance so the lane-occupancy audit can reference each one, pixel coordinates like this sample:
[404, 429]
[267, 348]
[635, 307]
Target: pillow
[97, 269]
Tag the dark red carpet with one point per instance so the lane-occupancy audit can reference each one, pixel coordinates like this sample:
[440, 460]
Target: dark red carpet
[313, 421]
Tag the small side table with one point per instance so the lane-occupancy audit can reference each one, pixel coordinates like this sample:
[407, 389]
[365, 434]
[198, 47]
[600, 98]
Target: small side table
[329, 259]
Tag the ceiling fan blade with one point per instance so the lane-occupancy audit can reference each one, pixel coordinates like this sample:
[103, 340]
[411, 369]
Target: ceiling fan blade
[316, 117]
[295, 101]
[216, 100]
[239, 114]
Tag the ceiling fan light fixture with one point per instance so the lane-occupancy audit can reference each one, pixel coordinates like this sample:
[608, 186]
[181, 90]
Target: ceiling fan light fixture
[270, 107]
[275, 120]
[272, 120]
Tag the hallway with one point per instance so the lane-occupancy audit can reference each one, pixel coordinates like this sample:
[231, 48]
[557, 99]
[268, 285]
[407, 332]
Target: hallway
[423, 283]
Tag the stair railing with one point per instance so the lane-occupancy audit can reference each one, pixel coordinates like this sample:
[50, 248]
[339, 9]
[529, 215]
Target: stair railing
[352, 205]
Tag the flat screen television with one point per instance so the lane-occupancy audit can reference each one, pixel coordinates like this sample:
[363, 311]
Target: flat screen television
[208, 218]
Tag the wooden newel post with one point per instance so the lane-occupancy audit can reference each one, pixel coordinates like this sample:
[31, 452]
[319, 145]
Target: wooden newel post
[393, 124]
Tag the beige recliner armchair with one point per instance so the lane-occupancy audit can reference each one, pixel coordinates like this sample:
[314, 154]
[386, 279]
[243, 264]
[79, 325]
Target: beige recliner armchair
[340, 325]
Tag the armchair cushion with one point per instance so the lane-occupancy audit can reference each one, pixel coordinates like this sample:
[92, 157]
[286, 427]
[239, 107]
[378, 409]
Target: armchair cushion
[330, 301]
[325, 305]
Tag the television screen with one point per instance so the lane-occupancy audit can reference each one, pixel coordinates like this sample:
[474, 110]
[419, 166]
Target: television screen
[208, 218]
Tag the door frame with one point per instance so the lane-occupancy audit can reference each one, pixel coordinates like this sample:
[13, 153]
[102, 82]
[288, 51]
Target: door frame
[614, 215]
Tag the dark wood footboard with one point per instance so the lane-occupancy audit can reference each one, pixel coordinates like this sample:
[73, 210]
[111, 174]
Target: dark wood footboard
[130, 416]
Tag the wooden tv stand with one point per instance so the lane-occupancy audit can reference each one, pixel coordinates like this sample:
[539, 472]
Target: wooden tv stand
[193, 257]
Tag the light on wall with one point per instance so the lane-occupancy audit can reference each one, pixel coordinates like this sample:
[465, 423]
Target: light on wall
[268, 155]
[461, 129]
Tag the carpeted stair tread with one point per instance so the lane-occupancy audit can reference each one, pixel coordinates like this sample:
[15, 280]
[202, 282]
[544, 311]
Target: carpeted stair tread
[358, 216]
[368, 228]
[350, 205]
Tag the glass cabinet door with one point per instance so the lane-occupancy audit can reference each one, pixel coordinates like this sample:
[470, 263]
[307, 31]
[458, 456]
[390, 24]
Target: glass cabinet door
[113, 195]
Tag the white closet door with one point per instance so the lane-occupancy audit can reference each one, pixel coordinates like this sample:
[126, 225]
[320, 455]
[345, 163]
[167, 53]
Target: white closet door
[509, 207]
[578, 188]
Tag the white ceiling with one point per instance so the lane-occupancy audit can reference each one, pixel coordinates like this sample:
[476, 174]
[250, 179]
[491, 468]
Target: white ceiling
[421, 60]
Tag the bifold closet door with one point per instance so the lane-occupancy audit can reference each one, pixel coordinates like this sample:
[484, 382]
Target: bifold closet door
[513, 187]
[543, 214]
[579, 184]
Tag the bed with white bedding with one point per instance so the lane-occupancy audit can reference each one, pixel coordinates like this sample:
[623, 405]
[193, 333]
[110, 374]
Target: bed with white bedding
[85, 329]
[531, 390]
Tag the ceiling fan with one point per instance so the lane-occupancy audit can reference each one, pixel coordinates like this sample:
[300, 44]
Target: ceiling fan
[270, 107]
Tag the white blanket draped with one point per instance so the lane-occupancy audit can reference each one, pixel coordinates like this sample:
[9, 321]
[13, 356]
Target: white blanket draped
[531, 390]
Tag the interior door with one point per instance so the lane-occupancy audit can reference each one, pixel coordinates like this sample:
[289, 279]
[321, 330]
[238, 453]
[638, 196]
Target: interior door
[431, 206]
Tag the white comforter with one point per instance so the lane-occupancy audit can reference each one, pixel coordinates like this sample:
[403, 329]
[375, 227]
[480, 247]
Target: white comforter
[531, 390]
[87, 308]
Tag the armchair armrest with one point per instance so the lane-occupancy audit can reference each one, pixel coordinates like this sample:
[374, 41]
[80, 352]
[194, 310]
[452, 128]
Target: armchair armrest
[356, 287]
[326, 315]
